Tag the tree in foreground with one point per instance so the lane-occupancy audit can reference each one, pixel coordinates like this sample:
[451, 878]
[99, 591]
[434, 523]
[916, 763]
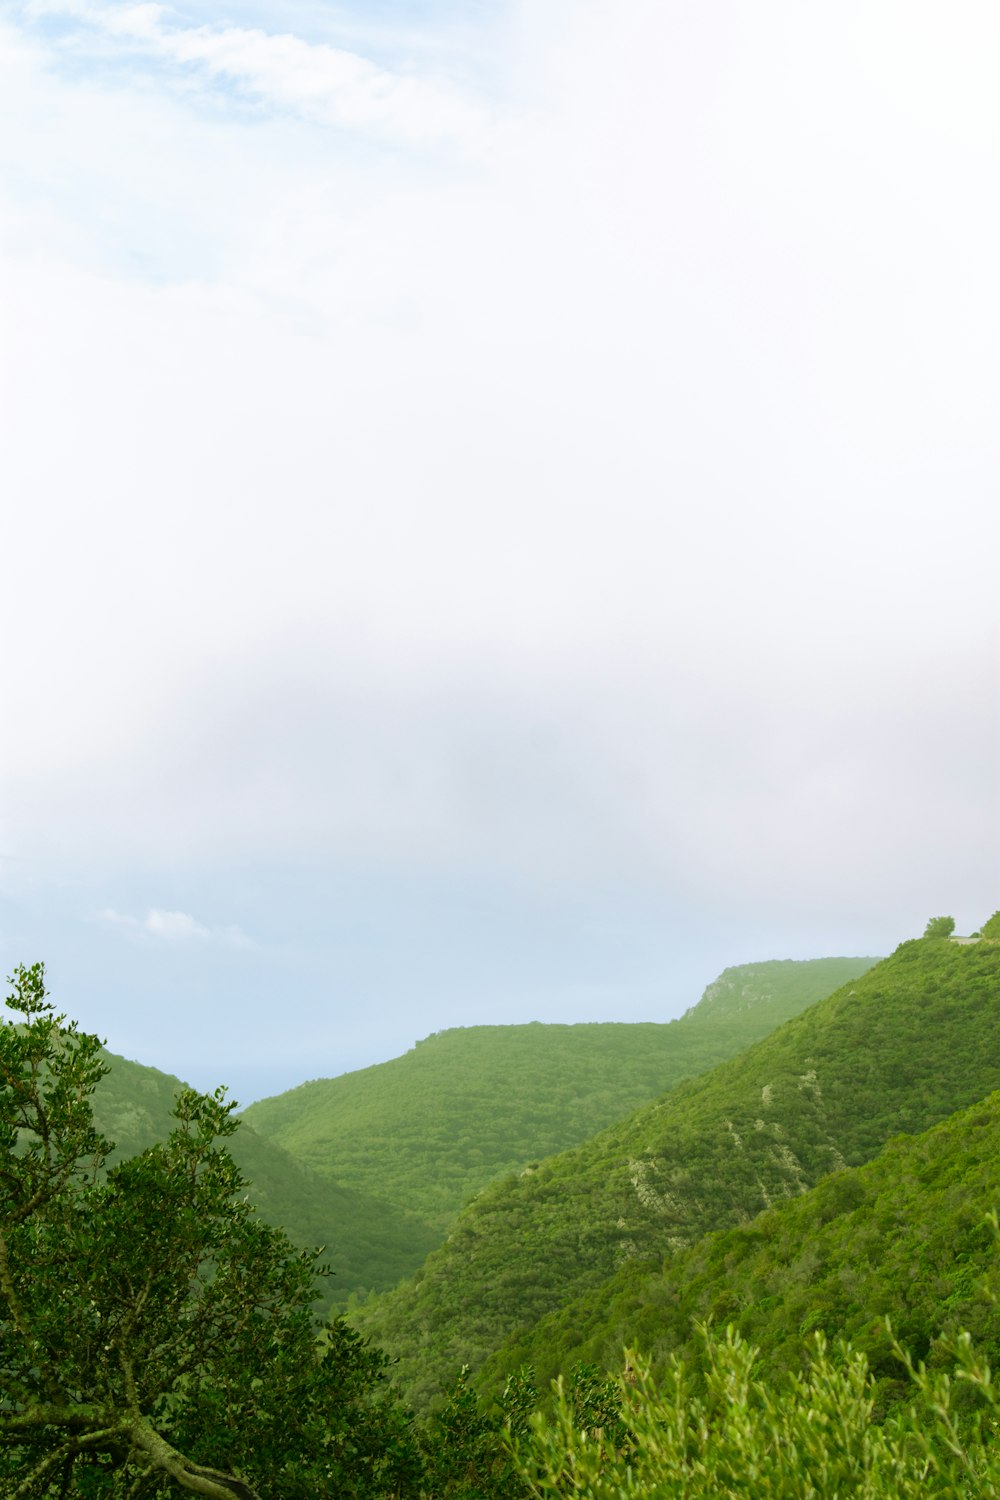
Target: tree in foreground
[156, 1337]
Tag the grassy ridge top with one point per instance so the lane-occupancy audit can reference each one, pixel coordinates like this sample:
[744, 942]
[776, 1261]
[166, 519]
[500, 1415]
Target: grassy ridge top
[904, 1236]
[898, 1049]
[370, 1244]
[431, 1128]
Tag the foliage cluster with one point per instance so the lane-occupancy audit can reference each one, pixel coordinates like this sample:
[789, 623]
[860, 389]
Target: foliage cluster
[717, 1426]
[155, 1333]
[939, 927]
[899, 1049]
[804, 1436]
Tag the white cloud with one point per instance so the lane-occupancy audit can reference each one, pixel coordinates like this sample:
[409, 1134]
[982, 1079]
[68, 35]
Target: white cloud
[175, 928]
[327, 85]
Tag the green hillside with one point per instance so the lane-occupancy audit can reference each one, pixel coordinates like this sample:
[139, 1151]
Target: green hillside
[898, 1049]
[905, 1236]
[370, 1244]
[431, 1128]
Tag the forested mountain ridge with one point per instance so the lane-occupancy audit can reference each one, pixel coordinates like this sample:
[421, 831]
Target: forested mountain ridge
[465, 1106]
[904, 1236]
[779, 989]
[898, 1049]
[369, 1243]
[517, 1080]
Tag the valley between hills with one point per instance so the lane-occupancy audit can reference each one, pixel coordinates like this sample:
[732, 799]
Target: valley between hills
[811, 1152]
[376, 1165]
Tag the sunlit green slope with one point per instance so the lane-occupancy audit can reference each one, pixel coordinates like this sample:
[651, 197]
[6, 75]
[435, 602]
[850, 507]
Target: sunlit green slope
[899, 1049]
[370, 1244]
[905, 1237]
[431, 1128]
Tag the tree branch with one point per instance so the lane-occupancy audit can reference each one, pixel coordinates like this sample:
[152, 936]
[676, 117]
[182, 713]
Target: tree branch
[49, 1462]
[23, 1425]
[212, 1483]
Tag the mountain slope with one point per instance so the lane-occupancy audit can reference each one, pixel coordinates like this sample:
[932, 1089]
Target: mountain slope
[901, 1048]
[429, 1129]
[370, 1244]
[905, 1236]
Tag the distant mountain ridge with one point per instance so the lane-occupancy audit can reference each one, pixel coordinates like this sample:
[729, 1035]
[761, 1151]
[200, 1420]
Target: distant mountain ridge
[430, 1129]
[776, 985]
[413, 1139]
[899, 1048]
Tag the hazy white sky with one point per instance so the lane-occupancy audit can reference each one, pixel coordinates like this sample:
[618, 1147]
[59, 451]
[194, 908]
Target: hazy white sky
[499, 507]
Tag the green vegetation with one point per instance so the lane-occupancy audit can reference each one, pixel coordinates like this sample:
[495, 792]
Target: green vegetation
[718, 1426]
[157, 1336]
[155, 1333]
[375, 1165]
[899, 1049]
[806, 1436]
[939, 927]
[368, 1242]
[905, 1236]
[429, 1129]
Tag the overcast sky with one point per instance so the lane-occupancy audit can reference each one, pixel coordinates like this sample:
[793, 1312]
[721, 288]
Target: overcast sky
[500, 507]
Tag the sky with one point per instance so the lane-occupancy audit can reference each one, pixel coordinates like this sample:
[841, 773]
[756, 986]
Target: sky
[500, 508]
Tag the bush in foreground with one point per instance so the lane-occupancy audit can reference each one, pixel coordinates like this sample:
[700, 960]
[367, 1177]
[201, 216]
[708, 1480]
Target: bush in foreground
[807, 1437]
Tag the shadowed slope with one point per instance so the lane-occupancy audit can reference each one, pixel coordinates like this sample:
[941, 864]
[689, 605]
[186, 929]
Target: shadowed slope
[370, 1244]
